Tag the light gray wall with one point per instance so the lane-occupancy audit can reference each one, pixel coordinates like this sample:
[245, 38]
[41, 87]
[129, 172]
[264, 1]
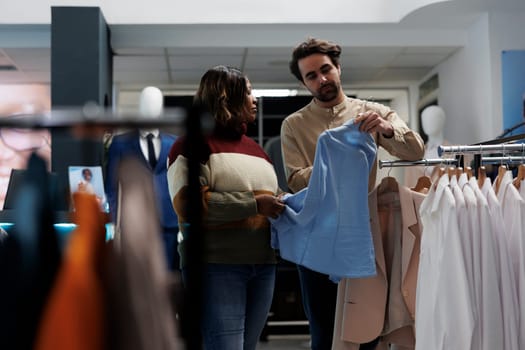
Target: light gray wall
[470, 80]
[465, 88]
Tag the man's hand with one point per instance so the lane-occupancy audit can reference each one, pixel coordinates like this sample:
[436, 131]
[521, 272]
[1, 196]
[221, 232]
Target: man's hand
[269, 205]
[373, 122]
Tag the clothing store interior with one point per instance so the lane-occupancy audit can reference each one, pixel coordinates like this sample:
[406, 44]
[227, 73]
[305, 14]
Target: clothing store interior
[374, 163]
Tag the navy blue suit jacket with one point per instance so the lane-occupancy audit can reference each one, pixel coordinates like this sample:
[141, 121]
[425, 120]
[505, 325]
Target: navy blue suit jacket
[128, 145]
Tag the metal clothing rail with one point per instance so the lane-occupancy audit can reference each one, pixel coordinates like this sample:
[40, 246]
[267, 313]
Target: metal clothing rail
[93, 116]
[404, 163]
[503, 160]
[464, 149]
[482, 149]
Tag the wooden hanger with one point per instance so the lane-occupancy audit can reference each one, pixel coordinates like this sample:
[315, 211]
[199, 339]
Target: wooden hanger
[501, 172]
[423, 184]
[388, 184]
[439, 171]
[520, 177]
[482, 175]
[468, 170]
[451, 171]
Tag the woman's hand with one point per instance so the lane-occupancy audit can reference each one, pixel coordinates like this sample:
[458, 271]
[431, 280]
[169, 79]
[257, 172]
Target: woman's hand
[269, 205]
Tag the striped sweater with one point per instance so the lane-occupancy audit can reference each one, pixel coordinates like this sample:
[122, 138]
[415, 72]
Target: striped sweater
[233, 171]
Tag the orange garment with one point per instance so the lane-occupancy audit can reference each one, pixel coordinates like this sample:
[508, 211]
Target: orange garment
[74, 315]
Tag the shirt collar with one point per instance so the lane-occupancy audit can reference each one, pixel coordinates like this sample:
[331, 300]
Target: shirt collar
[332, 111]
[144, 132]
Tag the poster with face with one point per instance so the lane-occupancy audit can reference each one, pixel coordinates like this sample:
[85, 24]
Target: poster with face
[88, 179]
[16, 145]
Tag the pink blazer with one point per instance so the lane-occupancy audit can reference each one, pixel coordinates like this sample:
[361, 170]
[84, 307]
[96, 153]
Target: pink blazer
[362, 302]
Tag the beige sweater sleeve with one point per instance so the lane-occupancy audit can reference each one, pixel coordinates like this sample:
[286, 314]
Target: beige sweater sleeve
[297, 166]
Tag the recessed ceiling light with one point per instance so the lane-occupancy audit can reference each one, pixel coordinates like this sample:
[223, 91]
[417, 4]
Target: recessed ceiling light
[7, 67]
[274, 92]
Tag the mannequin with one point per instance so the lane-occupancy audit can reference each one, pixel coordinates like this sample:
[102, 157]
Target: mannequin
[151, 103]
[433, 122]
[135, 144]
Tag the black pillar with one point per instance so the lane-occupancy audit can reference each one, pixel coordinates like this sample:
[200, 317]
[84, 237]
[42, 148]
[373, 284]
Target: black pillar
[81, 71]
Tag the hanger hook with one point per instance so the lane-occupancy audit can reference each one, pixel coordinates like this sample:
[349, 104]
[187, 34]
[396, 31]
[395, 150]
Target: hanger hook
[426, 167]
[503, 154]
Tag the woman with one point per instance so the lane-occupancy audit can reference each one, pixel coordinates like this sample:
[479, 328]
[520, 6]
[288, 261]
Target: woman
[85, 184]
[239, 188]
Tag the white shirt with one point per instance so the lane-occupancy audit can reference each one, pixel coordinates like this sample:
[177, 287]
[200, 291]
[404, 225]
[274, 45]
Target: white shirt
[492, 326]
[454, 308]
[465, 237]
[144, 142]
[426, 281]
[444, 317]
[475, 246]
[513, 211]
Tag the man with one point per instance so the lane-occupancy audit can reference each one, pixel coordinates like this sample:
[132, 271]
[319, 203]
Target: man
[315, 63]
[151, 147]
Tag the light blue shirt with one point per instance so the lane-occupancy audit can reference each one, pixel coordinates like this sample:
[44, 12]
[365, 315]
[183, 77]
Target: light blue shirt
[326, 226]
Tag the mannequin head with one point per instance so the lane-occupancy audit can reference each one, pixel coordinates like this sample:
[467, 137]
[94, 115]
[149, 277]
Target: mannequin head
[151, 102]
[433, 122]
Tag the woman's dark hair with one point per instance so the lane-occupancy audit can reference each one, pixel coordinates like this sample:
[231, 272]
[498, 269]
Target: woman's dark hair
[222, 92]
[310, 47]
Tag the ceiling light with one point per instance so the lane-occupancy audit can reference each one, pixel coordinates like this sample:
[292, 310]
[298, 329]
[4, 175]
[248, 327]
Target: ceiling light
[274, 92]
[8, 67]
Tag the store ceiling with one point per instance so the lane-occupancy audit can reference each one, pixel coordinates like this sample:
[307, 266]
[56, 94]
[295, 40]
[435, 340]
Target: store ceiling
[175, 57]
[183, 66]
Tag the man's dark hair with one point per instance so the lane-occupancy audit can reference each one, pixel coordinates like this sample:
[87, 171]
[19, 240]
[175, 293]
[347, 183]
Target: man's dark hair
[310, 47]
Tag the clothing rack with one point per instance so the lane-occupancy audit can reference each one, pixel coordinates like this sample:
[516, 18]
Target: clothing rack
[94, 116]
[92, 120]
[503, 148]
[424, 162]
[487, 148]
[503, 160]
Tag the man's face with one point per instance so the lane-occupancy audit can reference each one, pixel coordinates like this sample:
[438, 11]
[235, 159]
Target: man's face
[16, 144]
[321, 77]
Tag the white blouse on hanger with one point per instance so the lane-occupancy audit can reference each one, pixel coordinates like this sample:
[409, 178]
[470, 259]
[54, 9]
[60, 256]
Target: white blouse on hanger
[513, 211]
[474, 238]
[444, 316]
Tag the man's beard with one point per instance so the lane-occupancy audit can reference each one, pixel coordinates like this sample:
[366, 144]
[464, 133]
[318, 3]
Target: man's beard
[327, 92]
